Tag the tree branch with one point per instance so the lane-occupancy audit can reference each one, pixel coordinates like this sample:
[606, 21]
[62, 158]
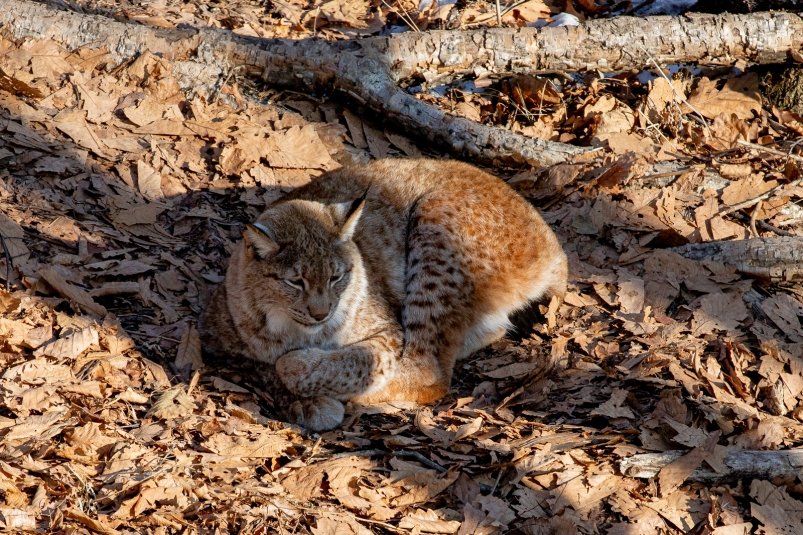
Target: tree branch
[776, 258]
[739, 464]
[370, 70]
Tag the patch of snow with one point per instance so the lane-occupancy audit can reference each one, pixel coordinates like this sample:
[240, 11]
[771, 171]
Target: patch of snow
[662, 7]
[564, 19]
[561, 19]
[648, 75]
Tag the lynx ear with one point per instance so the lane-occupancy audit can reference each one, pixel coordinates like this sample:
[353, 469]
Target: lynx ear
[261, 239]
[349, 213]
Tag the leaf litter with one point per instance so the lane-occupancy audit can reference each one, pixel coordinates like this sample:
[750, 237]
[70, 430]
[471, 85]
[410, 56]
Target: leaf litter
[122, 198]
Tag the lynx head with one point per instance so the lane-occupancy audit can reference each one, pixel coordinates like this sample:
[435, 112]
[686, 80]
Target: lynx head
[298, 261]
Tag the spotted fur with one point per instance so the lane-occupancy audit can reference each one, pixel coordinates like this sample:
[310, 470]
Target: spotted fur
[367, 284]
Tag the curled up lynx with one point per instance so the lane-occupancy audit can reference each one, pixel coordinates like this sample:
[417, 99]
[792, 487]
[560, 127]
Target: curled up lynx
[367, 284]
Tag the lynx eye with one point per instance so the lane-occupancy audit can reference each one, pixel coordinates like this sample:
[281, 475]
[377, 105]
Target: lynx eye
[336, 278]
[298, 284]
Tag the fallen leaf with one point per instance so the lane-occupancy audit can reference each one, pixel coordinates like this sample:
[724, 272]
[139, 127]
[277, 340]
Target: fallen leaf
[671, 476]
[70, 346]
[428, 522]
[719, 311]
[297, 148]
[149, 181]
[739, 96]
[73, 123]
[266, 444]
[188, 354]
[172, 403]
[614, 407]
[70, 291]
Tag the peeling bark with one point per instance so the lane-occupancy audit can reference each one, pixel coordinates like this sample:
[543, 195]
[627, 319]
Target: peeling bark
[370, 70]
[779, 258]
[619, 43]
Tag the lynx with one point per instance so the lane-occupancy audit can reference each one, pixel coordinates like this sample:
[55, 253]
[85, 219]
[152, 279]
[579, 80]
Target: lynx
[368, 283]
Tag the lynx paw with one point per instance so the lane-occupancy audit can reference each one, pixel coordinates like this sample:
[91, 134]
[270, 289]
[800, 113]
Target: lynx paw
[320, 413]
[294, 370]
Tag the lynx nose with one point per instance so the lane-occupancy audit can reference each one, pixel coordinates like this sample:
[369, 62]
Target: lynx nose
[319, 312]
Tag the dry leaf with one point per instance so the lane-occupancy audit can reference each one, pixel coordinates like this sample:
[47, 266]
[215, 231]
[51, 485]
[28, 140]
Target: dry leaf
[14, 239]
[70, 291]
[352, 13]
[91, 523]
[97, 105]
[614, 407]
[428, 522]
[331, 524]
[719, 311]
[149, 181]
[671, 476]
[739, 96]
[188, 354]
[74, 125]
[70, 346]
[297, 148]
[745, 189]
[429, 426]
[172, 403]
[266, 444]
[517, 369]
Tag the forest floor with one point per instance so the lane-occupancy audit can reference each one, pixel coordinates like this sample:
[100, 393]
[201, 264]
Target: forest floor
[122, 195]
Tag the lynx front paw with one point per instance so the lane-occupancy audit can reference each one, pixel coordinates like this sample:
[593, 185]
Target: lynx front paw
[320, 413]
[295, 369]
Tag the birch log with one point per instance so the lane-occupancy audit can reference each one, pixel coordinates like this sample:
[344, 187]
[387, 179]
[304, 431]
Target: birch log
[370, 70]
[779, 258]
[750, 464]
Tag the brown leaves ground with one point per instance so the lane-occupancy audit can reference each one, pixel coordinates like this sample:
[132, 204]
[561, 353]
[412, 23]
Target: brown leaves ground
[122, 197]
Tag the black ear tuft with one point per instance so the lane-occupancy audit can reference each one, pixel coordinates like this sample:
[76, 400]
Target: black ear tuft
[352, 216]
[261, 239]
[357, 202]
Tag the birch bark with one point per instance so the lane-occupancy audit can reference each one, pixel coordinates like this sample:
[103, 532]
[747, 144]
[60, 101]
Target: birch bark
[372, 70]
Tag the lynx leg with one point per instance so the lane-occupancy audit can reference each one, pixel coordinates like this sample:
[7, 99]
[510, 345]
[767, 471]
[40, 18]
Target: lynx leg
[434, 315]
[319, 413]
[316, 413]
[342, 373]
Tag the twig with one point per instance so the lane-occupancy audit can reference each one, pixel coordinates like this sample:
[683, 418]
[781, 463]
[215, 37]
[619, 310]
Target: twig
[776, 230]
[226, 81]
[667, 174]
[770, 150]
[498, 14]
[315, 22]
[753, 216]
[404, 16]
[498, 479]
[420, 458]
[484, 18]
[755, 200]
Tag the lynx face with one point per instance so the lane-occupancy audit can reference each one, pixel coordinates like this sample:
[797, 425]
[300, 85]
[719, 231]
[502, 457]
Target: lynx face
[298, 260]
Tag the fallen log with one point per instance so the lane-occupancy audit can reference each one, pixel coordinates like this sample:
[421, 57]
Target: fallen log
[371, 70]
[750, 464]
[778, 258]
